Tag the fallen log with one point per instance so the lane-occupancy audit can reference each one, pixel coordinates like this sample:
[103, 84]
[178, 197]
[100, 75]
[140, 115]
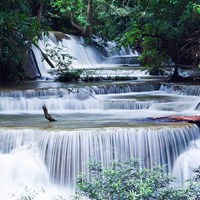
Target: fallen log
[189, 119]
[180, 118]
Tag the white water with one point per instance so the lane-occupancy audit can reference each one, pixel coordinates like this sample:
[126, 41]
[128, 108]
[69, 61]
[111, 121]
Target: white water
[44, 158]
[24, 174]
[125, 73]
[88, 90]
[187, 162]
[84, 100]
[85, 56]
[98, 122]
[193, 90]
[48, 156]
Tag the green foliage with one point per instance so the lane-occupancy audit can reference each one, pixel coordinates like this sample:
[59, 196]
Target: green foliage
[111, 17]
[154, 59]
[196, 7]
[29, 193]
[124, 181]
[76, 9]
[170, 24]
[17, 30]
[62, 60]
[127, 180]
[59, 56]
[70, 75]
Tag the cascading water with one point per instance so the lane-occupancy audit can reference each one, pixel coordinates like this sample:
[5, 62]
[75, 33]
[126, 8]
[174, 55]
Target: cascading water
[66, 153]
[101, 123]
[98, 89]
[119, 97]
[24, 174]
[181, 89]
[186, 162]
[84, 55]
[125, 88]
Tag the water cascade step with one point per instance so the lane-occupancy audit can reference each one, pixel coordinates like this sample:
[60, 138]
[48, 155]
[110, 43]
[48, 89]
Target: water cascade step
[97, 89]
[84, 55]
[66, 153]
[126, 88]
[73, 99]
[102, 122]
[193, 90]
[186, 162]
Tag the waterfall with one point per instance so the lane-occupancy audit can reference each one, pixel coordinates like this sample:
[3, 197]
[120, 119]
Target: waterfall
[84, 55]
[127, 105]
[97, 89]
[24, 174]
[132, 96]
[110, 47]
[126, 88]
[100, 89]
[43, 66]
[193, 90]
[60, 100]
[68, 102]
[186, 162]
[66, 153]
[95, 122]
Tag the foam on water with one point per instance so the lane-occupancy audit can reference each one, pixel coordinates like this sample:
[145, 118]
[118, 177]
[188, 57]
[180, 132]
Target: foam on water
[49, 158]
[42, 158]
[24, 174]
[187, 162]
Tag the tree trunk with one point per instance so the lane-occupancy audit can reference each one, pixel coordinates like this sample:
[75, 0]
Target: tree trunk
[39, 14]
[175, 74]
[89, 18]
[174, 53]
[74, 24]
[85, 31]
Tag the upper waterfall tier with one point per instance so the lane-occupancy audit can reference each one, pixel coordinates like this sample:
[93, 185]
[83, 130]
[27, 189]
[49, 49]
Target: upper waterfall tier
[84, 55]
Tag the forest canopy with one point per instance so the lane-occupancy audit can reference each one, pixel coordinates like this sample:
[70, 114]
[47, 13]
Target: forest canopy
[161, 30]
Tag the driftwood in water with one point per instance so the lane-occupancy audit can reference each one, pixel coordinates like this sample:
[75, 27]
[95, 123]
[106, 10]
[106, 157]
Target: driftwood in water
[190, 119]
[47, 115]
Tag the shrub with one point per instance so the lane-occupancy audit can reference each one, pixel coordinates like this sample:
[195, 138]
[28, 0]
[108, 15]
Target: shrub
[70, 75]
[128, 181]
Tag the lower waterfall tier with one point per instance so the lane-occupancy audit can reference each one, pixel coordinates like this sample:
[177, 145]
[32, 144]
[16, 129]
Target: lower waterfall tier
[65, 154]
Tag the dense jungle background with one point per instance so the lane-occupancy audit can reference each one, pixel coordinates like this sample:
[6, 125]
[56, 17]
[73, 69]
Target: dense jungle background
[164, 32]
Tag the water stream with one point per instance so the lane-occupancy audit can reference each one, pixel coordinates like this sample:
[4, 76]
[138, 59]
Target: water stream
[95, 121]
[92, 124]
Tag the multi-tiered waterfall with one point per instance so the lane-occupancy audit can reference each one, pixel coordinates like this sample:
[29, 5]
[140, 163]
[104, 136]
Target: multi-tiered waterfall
[100, 55]
[99, 122]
